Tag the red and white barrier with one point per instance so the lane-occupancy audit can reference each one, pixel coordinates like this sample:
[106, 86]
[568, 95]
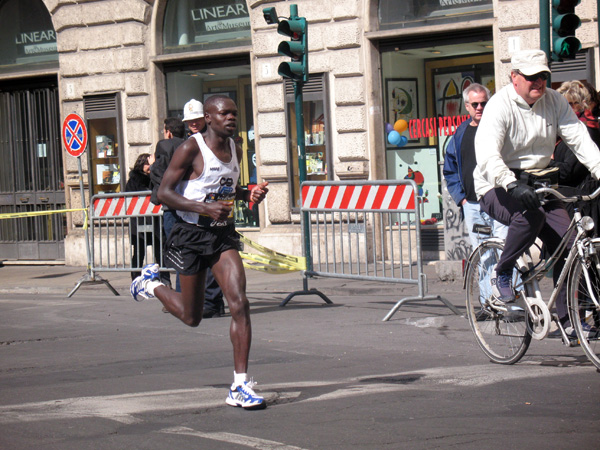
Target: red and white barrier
[124, 206]
[359, 197]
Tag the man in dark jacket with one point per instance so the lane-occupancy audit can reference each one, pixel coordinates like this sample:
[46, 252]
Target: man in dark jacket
[173, 132]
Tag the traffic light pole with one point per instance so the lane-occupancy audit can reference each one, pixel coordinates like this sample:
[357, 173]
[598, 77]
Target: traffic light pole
[296, 70]
[545, 28]
[299, 104]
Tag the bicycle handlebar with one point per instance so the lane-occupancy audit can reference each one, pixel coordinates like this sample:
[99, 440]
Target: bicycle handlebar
[570, 199]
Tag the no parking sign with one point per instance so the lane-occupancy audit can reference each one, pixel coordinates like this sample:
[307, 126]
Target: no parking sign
[74, 134]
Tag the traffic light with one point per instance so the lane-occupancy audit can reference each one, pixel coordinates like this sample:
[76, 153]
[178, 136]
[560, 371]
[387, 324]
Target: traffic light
[296, 48]
[565, 44]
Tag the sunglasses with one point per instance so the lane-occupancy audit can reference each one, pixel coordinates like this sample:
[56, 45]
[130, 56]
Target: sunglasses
[531, 78]
[475, 105]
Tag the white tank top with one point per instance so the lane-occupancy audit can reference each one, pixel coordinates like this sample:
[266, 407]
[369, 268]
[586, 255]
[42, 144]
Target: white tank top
[217, 183]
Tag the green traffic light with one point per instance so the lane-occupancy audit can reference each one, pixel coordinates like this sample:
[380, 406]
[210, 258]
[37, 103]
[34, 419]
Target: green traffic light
[564, 23]
[293, 28]
[293, 49]
[291, 70]
[567, 47]
[297, 48]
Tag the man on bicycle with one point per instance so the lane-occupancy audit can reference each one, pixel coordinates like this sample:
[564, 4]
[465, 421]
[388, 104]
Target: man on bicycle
[518, 131]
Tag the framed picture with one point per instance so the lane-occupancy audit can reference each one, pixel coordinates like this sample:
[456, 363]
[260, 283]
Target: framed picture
[401, 100]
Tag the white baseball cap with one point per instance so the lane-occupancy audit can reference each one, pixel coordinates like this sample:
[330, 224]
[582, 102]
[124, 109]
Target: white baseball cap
[530, 62]
[193, 110]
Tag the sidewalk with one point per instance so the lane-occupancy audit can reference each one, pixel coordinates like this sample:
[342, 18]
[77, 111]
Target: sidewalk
[61, 280]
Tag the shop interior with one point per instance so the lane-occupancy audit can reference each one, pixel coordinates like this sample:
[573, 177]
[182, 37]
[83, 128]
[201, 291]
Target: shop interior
[426, 83]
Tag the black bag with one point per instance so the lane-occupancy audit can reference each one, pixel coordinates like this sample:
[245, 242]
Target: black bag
[547, 177]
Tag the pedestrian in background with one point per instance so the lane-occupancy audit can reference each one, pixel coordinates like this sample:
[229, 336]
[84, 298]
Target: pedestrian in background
[173, 133]
[460, 162]
[140, 238]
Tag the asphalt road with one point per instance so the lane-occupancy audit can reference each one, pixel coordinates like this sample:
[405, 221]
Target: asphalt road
[96, 371]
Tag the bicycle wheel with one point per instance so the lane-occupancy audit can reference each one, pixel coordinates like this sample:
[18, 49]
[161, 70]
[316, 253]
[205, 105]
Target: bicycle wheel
[503, 337]
[584, 284]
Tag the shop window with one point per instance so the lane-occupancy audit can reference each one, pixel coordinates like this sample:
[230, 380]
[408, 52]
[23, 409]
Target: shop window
[423, 86]
[192, 25]
[106, 157]
[316, 135]
[411, 13]
[231, 78]
[27, 36]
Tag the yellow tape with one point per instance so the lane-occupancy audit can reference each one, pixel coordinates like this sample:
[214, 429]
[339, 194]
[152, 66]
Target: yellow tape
[38, 213]
[297, 262]
[268, 262]
[45, 213]
[267, 269]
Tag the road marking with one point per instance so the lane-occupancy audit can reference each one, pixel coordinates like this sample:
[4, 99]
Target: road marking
[232, 438]
[126, 407]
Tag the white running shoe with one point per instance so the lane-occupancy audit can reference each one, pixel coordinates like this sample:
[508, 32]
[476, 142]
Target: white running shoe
[138, 286]
[243, 396]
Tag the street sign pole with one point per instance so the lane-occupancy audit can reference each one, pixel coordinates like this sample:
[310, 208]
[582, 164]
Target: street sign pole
[74, 133]
[85, 229]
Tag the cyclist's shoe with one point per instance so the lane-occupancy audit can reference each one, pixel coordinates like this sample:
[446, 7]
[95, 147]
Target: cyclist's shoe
[243, 396]
[502, 289]
[589, 331]
[138, 287]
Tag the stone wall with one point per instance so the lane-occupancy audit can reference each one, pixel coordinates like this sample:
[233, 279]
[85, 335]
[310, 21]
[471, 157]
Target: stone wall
[335, 44]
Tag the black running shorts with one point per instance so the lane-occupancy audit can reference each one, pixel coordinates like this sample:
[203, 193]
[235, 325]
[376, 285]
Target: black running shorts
[190, 248]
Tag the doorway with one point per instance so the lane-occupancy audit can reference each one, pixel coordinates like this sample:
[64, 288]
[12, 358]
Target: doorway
[31, 173]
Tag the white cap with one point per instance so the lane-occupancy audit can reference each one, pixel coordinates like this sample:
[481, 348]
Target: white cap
[530, 62]
[193, 110]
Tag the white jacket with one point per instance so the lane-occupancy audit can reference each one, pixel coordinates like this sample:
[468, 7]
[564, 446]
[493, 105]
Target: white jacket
[514, 135]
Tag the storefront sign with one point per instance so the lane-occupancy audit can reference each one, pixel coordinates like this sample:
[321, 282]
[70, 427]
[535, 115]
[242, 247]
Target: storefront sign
[35, 42]
[450, 3]
[434, 126]
[221, 17]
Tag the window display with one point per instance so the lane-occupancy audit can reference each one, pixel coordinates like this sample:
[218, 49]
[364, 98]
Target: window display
[315, 137]
[105, 163]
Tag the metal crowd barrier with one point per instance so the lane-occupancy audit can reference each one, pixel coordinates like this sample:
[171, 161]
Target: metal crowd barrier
[109, 239]
[364, 231]
[115, 221]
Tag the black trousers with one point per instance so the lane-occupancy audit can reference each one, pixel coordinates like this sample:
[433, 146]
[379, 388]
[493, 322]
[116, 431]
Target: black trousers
[550, 222]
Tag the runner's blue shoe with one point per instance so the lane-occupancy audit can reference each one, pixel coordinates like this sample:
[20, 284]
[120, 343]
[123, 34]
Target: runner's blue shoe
[243, 396]
[138, 286]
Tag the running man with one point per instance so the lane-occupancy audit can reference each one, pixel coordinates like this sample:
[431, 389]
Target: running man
[201, 184]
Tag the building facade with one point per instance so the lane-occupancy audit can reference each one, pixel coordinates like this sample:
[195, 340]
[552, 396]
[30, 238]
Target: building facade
[125, 65]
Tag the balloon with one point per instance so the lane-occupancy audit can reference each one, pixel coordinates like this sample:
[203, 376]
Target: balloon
[388, 127]
[394, 137]
[403, 141]
[401, 126]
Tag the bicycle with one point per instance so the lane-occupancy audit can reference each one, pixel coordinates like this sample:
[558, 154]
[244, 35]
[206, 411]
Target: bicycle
[504, 333]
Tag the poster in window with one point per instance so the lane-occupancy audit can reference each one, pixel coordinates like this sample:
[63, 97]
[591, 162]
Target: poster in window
[105, 146]
[402, 101]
